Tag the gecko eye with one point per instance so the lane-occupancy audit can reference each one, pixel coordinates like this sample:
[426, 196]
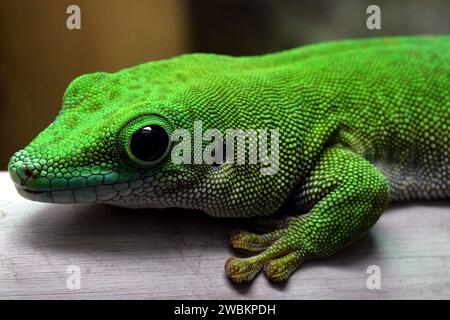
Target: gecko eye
[144, 142]
[149, 143]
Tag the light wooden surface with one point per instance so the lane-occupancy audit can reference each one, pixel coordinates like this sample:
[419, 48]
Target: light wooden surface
[128, 254]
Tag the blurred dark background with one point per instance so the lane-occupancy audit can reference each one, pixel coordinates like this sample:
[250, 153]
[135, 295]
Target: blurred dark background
[39, 56]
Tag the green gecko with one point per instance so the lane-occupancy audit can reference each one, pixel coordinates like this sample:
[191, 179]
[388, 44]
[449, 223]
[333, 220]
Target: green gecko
[361, 123]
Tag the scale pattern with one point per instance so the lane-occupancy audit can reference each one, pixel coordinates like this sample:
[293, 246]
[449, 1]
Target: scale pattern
[361, 122]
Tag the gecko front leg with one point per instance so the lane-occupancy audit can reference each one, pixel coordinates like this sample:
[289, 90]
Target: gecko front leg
[345, 195]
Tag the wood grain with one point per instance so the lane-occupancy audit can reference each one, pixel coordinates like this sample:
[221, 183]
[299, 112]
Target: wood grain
[175, 254]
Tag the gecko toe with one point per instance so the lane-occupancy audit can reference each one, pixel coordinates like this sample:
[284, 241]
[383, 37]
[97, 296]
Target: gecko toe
[278, 270]
[242, 269]
[253, 242]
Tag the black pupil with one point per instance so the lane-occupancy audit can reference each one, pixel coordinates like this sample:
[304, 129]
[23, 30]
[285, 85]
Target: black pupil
[149, 143]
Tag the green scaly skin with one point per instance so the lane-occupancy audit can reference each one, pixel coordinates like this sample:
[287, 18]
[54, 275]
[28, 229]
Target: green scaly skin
[361, 122]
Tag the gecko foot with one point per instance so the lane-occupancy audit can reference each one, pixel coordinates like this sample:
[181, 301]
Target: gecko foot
[280, 255]
[278, 262]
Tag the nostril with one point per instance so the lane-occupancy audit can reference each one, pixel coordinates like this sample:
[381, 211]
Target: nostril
[24, 173]
[28, 172]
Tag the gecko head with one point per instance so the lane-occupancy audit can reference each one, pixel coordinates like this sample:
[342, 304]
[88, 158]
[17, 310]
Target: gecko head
[112, 143]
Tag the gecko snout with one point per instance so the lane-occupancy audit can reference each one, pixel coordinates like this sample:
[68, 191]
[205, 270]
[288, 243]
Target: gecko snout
[21, 171]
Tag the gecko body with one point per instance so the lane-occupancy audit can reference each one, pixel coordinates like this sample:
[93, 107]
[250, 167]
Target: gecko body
[361, 123]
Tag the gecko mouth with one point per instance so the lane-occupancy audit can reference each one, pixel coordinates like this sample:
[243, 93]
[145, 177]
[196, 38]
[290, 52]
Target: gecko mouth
[88, 194]
[25, 190]
[106, 186]
[57, 196]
